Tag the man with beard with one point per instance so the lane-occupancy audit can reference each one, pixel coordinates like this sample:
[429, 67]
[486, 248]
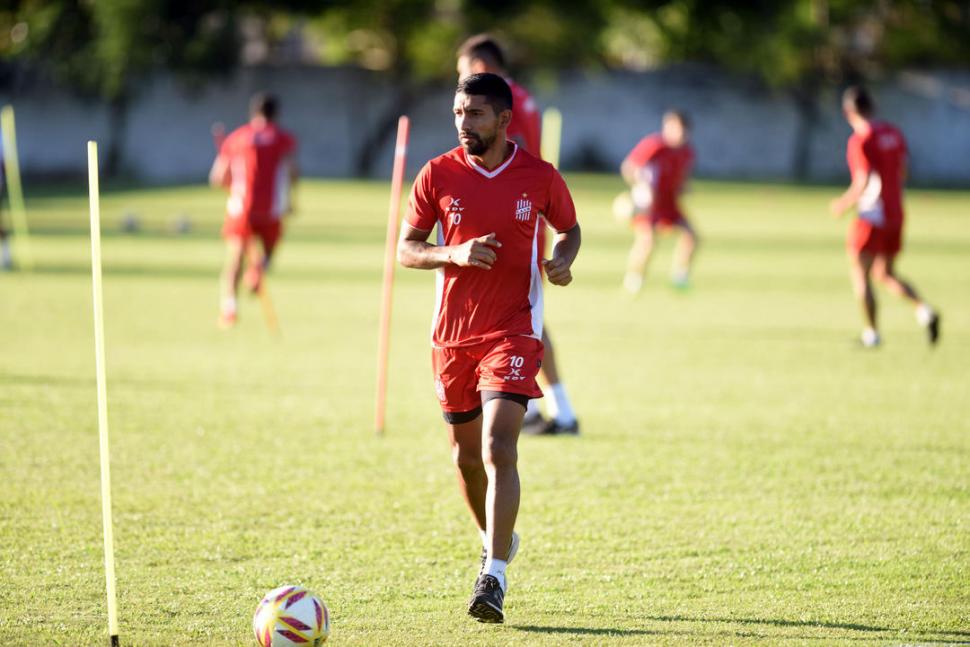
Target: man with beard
[486, 197]
[480, 54]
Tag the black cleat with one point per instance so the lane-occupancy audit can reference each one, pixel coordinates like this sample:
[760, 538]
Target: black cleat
[553, 428]
[486, 602]
[933, 329]
[534, 424]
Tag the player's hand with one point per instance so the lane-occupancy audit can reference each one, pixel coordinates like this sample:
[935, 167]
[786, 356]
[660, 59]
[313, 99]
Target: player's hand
[557, 271]
[836, 208]
[477, 252]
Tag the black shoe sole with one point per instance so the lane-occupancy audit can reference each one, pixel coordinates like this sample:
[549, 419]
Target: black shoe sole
[485, 612]
[933, 330]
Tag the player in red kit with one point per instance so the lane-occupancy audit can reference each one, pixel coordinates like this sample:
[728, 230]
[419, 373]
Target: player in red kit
[481, 54]
[256, 162]
[657, 170]
[486, 197]
[876, 155]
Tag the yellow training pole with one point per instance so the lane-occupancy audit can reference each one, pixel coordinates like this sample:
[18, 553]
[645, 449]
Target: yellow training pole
[18, 211]
[387, 289]
[551, 135]
[109, 554]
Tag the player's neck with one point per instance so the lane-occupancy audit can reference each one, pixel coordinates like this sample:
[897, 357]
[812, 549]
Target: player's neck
[491, 159]
[259, 122]
[861, 125]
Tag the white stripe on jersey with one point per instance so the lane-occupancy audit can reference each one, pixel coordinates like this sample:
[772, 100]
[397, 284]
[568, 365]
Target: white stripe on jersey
[237, 190]
[535, 283]
[439, 288]
[281, 190]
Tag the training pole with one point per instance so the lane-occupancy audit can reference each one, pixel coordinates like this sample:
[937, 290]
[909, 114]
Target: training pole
[390, 259]
[18, 211]
[551, 135]
[109, 553]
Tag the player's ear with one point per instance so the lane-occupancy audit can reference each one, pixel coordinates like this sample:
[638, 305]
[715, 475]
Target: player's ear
[504, 118]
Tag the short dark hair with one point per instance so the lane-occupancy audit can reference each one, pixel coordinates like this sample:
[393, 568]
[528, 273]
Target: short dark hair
[496, 91]
[858, 99]
[679, 115]
[485, 47]
[265, 105]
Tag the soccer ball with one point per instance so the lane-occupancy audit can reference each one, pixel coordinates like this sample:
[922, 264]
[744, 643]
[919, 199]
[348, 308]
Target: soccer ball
[629, 203]
[623, 207]
[291, 615]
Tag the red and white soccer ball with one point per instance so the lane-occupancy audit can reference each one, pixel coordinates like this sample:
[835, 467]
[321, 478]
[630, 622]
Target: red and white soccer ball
[629, 203]
[291, 616]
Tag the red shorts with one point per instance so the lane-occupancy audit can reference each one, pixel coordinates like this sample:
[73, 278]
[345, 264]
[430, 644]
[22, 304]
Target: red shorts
[507, 364]
[666, 220]
[864, 237]
[268, 230]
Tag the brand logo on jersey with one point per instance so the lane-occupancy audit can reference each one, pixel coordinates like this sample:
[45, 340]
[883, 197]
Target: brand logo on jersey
[454, 210]
[523, 210]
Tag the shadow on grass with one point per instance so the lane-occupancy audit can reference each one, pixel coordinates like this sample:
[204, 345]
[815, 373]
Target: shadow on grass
[922, 636]
[848, 626]
[587, 631]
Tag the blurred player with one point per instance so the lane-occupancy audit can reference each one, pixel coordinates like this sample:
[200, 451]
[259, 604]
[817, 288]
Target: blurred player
[657, 170]
[256, 162]
[876, 153]
[477, 55]
[485, 197]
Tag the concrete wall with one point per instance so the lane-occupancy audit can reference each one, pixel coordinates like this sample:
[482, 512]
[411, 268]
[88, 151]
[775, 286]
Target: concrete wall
[742, 130]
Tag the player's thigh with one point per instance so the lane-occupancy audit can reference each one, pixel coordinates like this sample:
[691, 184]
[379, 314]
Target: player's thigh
[455, 384]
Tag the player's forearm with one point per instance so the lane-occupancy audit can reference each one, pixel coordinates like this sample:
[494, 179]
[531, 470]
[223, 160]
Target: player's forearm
[629, 172]
[567, 244]
[420, 255]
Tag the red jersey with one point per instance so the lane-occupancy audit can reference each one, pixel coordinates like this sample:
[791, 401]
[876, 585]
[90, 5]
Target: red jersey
[667, 169]
[880, 153]
[259, 189]
[466, 201]
[526, 126]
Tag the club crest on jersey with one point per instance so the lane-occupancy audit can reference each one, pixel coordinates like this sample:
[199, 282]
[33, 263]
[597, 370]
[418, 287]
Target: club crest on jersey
[523, 210]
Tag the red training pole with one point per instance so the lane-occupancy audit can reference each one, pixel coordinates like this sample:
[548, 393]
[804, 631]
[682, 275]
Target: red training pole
[390, 258]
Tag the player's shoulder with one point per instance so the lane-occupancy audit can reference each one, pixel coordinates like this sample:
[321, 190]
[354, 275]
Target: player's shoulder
[533, 164]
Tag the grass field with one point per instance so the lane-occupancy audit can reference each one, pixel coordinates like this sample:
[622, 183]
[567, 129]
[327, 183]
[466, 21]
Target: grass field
[746, 475]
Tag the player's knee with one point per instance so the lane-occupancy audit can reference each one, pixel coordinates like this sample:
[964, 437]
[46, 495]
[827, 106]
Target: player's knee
[499, 452]
[467, 459]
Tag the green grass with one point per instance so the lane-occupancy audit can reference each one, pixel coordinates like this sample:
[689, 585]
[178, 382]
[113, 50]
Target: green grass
[745, 474]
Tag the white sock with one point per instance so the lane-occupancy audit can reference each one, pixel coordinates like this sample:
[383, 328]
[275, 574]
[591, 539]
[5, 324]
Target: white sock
[532, 409]
[229, 305]
[5, 259]
[484, 538]
[560, 408]
[870, 337]
[924, 314]
[496, 568]
[632, 282]
[679, 277]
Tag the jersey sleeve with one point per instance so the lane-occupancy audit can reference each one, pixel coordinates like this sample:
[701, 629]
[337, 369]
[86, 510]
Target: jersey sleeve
[856, 156]
[560, 212]
[644, 151]
[422, 211]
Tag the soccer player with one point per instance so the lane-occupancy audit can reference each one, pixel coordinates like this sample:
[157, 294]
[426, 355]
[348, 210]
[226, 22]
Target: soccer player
[876, 154]
[477, 55]
[657, 169]
[257, 163]
[485, 197]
